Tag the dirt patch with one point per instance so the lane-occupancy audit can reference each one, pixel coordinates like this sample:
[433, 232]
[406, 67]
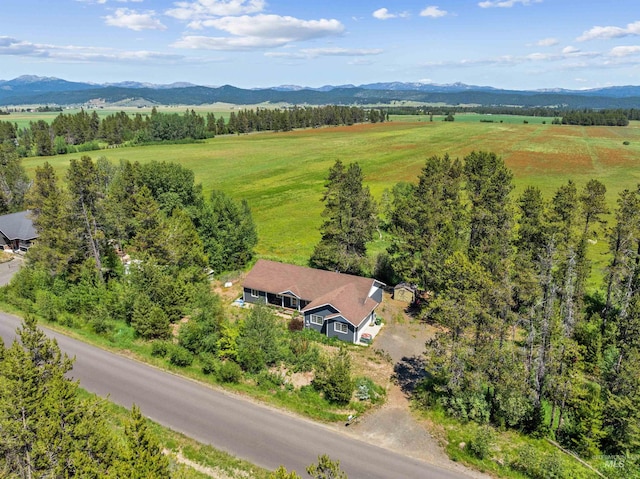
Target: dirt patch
[229, 288]
[526, 163]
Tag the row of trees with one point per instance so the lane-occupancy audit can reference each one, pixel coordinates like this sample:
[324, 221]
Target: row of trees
[82, 131]
[523, 343]
[585, 117]
[597, 118]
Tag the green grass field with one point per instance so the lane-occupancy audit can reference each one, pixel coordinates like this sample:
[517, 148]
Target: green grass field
[282, 175]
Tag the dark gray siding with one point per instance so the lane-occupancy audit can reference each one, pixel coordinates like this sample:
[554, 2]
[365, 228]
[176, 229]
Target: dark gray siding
[246, 295]
[322, 311]
[328, 328]
[349, 336]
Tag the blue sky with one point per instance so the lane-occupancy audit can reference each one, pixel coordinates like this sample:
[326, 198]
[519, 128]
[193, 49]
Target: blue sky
[519, 44]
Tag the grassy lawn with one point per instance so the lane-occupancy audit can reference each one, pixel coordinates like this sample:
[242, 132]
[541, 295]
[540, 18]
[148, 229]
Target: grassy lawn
[282, 175]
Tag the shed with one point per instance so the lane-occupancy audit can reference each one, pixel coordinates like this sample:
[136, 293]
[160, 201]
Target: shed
[405, 292]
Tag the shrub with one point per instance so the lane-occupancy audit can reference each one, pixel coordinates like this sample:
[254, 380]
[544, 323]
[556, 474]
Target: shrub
[160, 348]
[100, 324]
[46, 305]
[229, 372]
[537, 464]
[304, 355]
[481, 443]
[296, 323]
[625, 143]
[209, 363]
[179, 356]
[367, 390]
[88, 146]
[269, 380]
[333, 378]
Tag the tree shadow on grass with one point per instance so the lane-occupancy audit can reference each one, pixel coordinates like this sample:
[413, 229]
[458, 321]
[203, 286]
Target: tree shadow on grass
[409, 372]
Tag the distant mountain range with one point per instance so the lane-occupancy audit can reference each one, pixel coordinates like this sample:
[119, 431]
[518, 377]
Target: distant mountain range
[31, 90]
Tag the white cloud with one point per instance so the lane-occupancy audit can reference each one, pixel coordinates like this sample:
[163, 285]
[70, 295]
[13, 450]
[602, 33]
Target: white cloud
[126, 18]
[568, 50]
[383, 14]
[13, 46]
[260, 31]
[599, 33]
[203, 9]
[323, 52]
[433, 12]
[589, 59]
[547, 42]
[505, 3]
[624, 51]
[81, 54]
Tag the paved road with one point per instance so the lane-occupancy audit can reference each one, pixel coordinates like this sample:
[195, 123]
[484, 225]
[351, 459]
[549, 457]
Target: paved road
[259, 434]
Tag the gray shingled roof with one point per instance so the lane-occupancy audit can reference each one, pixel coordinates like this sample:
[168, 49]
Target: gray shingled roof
[18, 226]
[347, 293]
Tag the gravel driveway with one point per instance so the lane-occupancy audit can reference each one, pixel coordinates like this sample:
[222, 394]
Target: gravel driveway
[393, 425]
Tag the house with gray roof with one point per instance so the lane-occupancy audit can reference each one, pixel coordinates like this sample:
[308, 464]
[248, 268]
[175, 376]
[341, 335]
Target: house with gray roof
[334, 304]
[17, 231]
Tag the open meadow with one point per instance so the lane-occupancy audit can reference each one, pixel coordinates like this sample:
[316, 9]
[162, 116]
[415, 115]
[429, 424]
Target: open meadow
[282, 175]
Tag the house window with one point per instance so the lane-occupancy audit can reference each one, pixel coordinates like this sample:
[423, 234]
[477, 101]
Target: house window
[340, 328]
[294, 302]
[255, 293]
[317, 319]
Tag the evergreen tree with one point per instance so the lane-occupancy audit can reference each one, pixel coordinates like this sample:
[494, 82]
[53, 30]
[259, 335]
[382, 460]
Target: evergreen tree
[326, 469]
[333, 377]
[488, 184]
[46, 430]
[86, 194]
[149, 320]
[227, 231]
[351, 221]
[58, 247]
[144, 458]
[259, 340]
[427, 222]
[593, 202]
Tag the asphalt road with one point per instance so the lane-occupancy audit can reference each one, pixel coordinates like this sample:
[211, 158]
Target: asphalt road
[259, 434]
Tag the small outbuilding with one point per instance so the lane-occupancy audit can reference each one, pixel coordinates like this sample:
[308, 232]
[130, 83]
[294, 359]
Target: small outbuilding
[405, 292]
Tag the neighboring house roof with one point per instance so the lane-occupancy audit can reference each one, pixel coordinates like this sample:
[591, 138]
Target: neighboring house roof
[348, 294]
[18, 226]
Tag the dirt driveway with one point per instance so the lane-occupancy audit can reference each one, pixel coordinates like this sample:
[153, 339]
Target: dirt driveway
[394, 425]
